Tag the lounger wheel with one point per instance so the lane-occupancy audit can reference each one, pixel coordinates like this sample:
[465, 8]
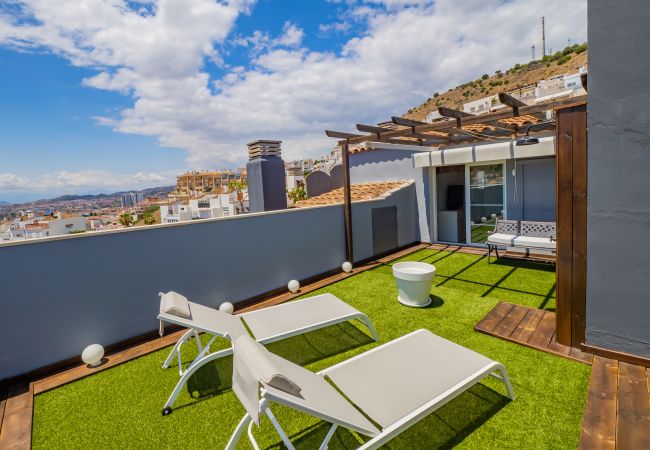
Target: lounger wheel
[167, 410]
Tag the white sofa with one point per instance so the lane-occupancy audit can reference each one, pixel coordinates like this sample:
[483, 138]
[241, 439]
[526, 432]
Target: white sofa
[522, 234]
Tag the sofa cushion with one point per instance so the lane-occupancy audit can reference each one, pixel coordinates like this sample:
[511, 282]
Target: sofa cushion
[534, 242]
[501, 239]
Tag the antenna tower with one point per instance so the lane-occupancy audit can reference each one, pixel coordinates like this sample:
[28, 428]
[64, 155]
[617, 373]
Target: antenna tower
[543, 37]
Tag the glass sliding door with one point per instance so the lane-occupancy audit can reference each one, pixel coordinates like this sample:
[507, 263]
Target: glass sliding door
[486, 200]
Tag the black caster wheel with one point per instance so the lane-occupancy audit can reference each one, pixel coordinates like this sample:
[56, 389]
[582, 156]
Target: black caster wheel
[166, 411]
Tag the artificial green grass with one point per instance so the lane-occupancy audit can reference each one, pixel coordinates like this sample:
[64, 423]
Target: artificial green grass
[120, 407]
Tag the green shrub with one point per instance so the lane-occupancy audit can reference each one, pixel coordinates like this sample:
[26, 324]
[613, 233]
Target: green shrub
[580, 48]
[563, 59]
[435, 95]
[485, 76]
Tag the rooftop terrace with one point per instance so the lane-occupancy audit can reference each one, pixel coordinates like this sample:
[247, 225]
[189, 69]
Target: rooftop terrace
[120, 407]
[560, 401]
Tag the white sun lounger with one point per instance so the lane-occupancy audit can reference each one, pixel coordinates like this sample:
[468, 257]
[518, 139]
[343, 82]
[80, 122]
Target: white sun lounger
[394, 385]
[266, 325]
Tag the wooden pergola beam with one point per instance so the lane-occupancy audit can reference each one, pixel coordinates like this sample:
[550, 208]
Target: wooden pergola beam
[483, 118]
[397, 120]
[454, 114]
[341, 135]
[512, 102]
[371, 129]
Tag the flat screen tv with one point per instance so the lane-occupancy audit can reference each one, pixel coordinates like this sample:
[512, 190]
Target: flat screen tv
[455, 197]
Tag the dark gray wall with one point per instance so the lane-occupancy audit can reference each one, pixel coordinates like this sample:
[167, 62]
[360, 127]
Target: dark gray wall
[317, 183]
[58, 296]
[407, 221]
[266, 184]
[618, 199]
[390, 165]
[535, 183]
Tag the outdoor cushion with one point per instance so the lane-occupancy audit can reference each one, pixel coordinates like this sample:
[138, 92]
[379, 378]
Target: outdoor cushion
[503, 239]
[252, 364]
[175, 304]
[537, 242]
[268, 372]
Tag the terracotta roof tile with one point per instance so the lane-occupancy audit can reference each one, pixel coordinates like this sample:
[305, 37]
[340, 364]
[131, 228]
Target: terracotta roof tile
[362, 191]
[520, 121]
[478, 127]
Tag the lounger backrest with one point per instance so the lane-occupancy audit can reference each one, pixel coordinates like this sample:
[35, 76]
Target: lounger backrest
[210, 320]
[317, 397]
[538, 229]
[507, 226]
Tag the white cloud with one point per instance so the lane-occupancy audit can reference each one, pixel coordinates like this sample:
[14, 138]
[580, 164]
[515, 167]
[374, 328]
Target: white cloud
[407, 51]
[12, 182]
[65, 182]
[335, 27]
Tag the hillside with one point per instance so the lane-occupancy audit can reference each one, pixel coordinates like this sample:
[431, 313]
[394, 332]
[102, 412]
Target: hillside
[567, 61]
[145, 192]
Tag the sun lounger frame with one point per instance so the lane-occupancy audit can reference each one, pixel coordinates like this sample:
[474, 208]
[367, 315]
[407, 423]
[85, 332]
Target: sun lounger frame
[494, 369]
[204, 357]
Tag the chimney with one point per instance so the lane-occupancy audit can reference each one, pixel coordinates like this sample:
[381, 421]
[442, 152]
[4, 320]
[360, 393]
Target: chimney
[266, 176]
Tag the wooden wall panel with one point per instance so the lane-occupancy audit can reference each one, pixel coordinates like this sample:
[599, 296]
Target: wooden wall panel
[571, 223]
[579, 272]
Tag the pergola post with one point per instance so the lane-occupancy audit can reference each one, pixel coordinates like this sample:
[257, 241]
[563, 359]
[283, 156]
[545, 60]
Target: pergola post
[347, 201]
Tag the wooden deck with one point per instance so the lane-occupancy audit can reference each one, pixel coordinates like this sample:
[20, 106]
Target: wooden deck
[617, 414]
[531, 327]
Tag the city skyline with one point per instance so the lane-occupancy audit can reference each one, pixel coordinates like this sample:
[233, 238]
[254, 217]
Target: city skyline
[104, 112]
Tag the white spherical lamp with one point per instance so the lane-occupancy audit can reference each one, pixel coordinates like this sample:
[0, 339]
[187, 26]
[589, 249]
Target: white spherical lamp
[226, 307]
[494, 216]
[293, 286]
[483, 219]
[92, 355]
[347, 267]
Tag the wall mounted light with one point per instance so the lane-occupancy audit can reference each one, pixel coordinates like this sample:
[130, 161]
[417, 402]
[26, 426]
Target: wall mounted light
[527, 139]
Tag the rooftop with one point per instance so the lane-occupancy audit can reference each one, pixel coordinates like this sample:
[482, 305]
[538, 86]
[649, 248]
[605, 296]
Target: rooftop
[361, 191]
[101, 410]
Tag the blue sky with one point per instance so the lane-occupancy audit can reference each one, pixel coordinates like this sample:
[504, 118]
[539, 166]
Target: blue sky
[110, 98]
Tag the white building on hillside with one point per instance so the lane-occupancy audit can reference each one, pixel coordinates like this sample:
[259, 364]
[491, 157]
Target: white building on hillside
[567, 85]
[295, 175]
[210, 206]
[68, 225]
[42, 226]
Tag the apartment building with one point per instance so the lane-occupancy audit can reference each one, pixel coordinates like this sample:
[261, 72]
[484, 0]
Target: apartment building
[209, 206]
[42, 226]
[131, 199]
[208, 181]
